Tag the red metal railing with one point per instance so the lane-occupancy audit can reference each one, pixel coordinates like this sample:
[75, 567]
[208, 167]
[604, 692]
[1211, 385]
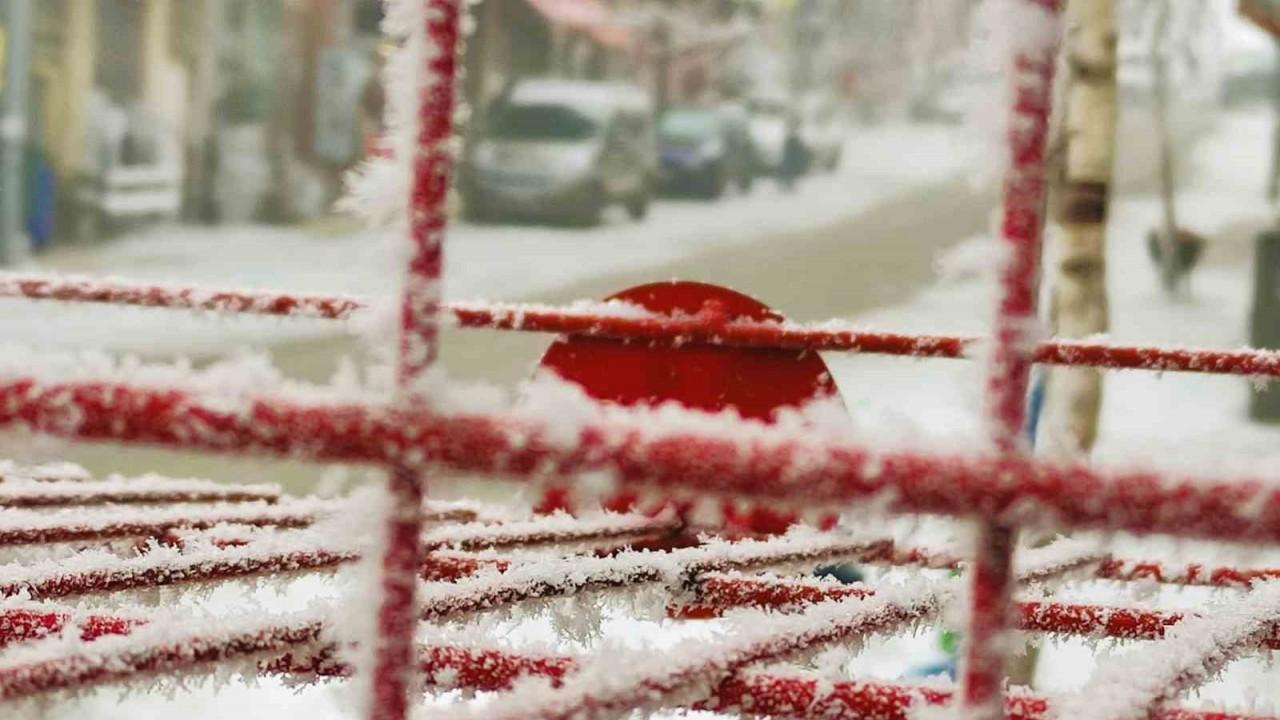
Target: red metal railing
[628, 323]
[1002, 488]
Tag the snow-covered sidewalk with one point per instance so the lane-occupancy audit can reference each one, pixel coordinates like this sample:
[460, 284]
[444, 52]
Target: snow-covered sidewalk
[1145, 414]
[505, 262]
[1195, 422]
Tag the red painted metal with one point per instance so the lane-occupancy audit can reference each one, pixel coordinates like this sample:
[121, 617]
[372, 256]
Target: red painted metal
[81, 493]
[177, 652]
[655, 690]
[754, 382]
[800, 697]
[528, 586]
[992, 578]
[1190, 574]
[115, 577]
[122, 292]
[44, 528]
[239, 561]
[716, 593]
[703, 340]
[756, 462]
[22, 625]
[699, 328]
[492, 669]
[393, 682]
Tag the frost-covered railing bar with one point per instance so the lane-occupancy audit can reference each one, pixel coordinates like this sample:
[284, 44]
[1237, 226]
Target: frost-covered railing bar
[623, 322]
[24, 624]
[677, 568]
[429, 33]
[54, 493]
[73, 288]
[1037, 25]
[1126, 687]
[160, 567]
[287, 553]
[717, 593]
[801, 696]
[646, 681]
[148, 649]
[723, 456]
[494, 669]
[792, 695]
[1130, 569]
[23, 527]
[1122, 623]
[125, 657]
[548, 531]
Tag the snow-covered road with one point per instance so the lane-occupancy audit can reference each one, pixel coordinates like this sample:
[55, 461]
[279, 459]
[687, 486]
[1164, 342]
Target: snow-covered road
[509, 262]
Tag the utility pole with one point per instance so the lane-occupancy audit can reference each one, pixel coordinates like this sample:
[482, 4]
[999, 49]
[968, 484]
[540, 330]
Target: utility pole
[15, 55]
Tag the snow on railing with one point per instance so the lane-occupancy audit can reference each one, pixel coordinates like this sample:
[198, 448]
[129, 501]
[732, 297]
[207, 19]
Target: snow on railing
[71, 288]
[151, 648]
[625, 322]
[23, 527]
[479, 668]
[645, 680]
[665, 447]
[23, 624]
[265, 554]
[1036, 26]
[552, 529]
[801, 696]
[1129, 569]
[1127, 686]
[146, 490]
[677, 569]
[717, 593]
[720, 456]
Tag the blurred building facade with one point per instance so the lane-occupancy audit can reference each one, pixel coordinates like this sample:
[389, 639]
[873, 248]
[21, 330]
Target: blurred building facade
[252, 110]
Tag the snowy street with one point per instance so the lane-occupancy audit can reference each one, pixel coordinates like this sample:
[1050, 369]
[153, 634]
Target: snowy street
[865, 244]
[507, 261]
[898, 359]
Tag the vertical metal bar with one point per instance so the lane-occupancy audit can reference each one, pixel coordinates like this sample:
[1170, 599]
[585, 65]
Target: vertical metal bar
[15, 55]
[392, 680]
[1035, 49]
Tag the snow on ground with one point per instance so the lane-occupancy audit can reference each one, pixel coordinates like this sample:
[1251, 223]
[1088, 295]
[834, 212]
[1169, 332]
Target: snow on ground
[1147, 418]
[500, 262]
[1172, 420]
[1142, 411]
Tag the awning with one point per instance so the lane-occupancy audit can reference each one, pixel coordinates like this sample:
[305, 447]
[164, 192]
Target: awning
[591, 17]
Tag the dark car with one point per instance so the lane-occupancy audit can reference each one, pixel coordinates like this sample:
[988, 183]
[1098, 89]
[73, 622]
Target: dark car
[565, 150]
[704, 150]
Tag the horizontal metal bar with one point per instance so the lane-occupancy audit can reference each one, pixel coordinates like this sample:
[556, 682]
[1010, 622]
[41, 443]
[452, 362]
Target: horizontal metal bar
[599, 321]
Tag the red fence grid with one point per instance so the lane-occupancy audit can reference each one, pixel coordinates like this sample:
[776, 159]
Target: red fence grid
[1003, 489]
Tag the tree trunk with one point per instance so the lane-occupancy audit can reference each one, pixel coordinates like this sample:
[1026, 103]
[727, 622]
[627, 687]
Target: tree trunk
[1078, 307]
[1081, 189]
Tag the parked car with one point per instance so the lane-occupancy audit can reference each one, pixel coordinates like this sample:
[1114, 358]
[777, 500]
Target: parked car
[564, 150]
[705, 149]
